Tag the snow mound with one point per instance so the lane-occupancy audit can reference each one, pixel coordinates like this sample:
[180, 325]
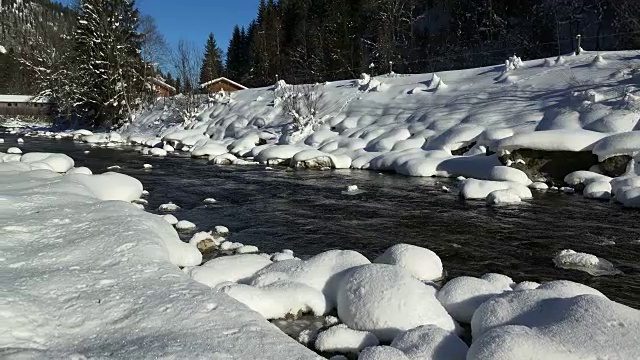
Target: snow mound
[184, 225]
[552, 140]
[555, 328]
[422, 263]
[341, 339]
[480, 189]
[168, 207]
[463, 295]
[431, 342]
[387, 300]
[279, 299]
[110, 185]
[600, 190]
[627, 143]
[382, 353]
[14, 150]
[80, 170]
[569, 259]
[237, 268]
[278, 154]
[59, 163]
[500, 197]
[585, 177]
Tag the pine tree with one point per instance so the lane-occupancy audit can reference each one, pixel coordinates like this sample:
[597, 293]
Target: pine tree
[107, 52]
[212, 66]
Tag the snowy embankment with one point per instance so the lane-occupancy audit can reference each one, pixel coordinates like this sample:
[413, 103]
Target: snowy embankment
[522, 124]
[86, 274]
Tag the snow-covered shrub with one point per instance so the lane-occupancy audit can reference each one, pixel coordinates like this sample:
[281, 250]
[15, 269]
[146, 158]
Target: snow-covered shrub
[513, 63]
[300, 103]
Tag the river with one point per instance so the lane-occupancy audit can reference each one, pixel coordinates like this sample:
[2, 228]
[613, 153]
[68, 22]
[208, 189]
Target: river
[306, 211]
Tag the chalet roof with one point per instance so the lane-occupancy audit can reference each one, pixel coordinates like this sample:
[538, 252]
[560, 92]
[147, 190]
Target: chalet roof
[161, 83]
[222, 79]
[24, 99]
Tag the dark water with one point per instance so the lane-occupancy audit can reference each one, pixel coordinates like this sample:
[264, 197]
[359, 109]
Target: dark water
[305, 211]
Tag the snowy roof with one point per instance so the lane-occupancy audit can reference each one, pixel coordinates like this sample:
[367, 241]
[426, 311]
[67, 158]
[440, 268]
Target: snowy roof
[159, 82]
[23, 99]
[222, 79]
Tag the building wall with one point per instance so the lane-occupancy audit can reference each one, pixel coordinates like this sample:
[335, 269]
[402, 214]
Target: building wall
[221, 85]
[29, 109]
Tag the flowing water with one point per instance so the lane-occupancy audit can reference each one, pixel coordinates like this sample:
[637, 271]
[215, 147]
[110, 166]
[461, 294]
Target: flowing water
[306, 211]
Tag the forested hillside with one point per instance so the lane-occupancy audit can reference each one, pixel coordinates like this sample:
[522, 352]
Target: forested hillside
[317, 40]
[27, 27]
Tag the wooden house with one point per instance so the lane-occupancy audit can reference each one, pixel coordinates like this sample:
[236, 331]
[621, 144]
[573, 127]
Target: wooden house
[25, 105]
[161, 88]
[222, 83]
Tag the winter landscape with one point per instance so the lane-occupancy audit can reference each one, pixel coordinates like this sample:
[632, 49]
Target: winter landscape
[388, 179]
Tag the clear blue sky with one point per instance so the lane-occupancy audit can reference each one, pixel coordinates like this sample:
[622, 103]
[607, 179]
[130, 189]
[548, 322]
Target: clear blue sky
[194, 19]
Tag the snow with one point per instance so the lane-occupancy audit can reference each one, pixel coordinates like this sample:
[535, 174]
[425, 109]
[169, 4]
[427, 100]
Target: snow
[170, 219]
[431, 342]
[236, 268]
[323, 272]
[58, 162]
[23, 99]
[569, 259]
[247, 249]
[463, 295]
[506, 196]
[279, 299]
[185, 225]
[554, 325]
[14, 150]
[109, 285]
[585, 177]
[387, 300]
[480, 189]
[552, 140]
[382, 353]
[109, 186]
[341, 339]
[80, 170]
[627, 143]
[3, 50]
[422, 263]
[600, 190]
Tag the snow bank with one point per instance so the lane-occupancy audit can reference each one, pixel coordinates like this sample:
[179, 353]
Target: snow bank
[422, 263]
[323, 272]
[279, 299]
[554, 326]
[569, 259]
[387, 300]
[109, 186]
[237, 268]
[480, 189]
[463, 295]
[431, 342]
[627, 143]
[552, 140]
[341, 339]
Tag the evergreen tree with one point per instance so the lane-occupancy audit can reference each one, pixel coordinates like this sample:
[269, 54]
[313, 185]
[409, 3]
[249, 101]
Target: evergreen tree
[212, 66]
[107, 57]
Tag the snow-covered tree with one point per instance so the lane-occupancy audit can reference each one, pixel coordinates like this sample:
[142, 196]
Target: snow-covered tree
[108, 60]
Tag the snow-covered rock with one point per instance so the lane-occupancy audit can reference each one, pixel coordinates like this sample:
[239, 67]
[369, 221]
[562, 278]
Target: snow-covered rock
[236, 268]
[170, 219]
[58, 162]
[382, 353]
[387, 300]
[341, 339]
[569, 259]
[422, 263]
[109, 186]
[169, 207]
[506, 196]
[185, 225]
[480, 189]
[14, 150]
[431, 342]
[463, 295]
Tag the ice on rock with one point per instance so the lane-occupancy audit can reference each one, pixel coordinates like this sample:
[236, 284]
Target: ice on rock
[110, 186]
[382, 353]
[14, 150]
[463, 295]
[169, 207]
[184, 225]
[322, 272]
[236, 268]
[569, 259]
[500, 197]
[422, 263]
[431, 342]
[387, 301]
[279, 299]
[548, 327]
[341, 339]
[480, 189]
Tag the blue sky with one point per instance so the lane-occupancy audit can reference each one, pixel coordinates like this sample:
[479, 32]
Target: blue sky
[194, 19]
